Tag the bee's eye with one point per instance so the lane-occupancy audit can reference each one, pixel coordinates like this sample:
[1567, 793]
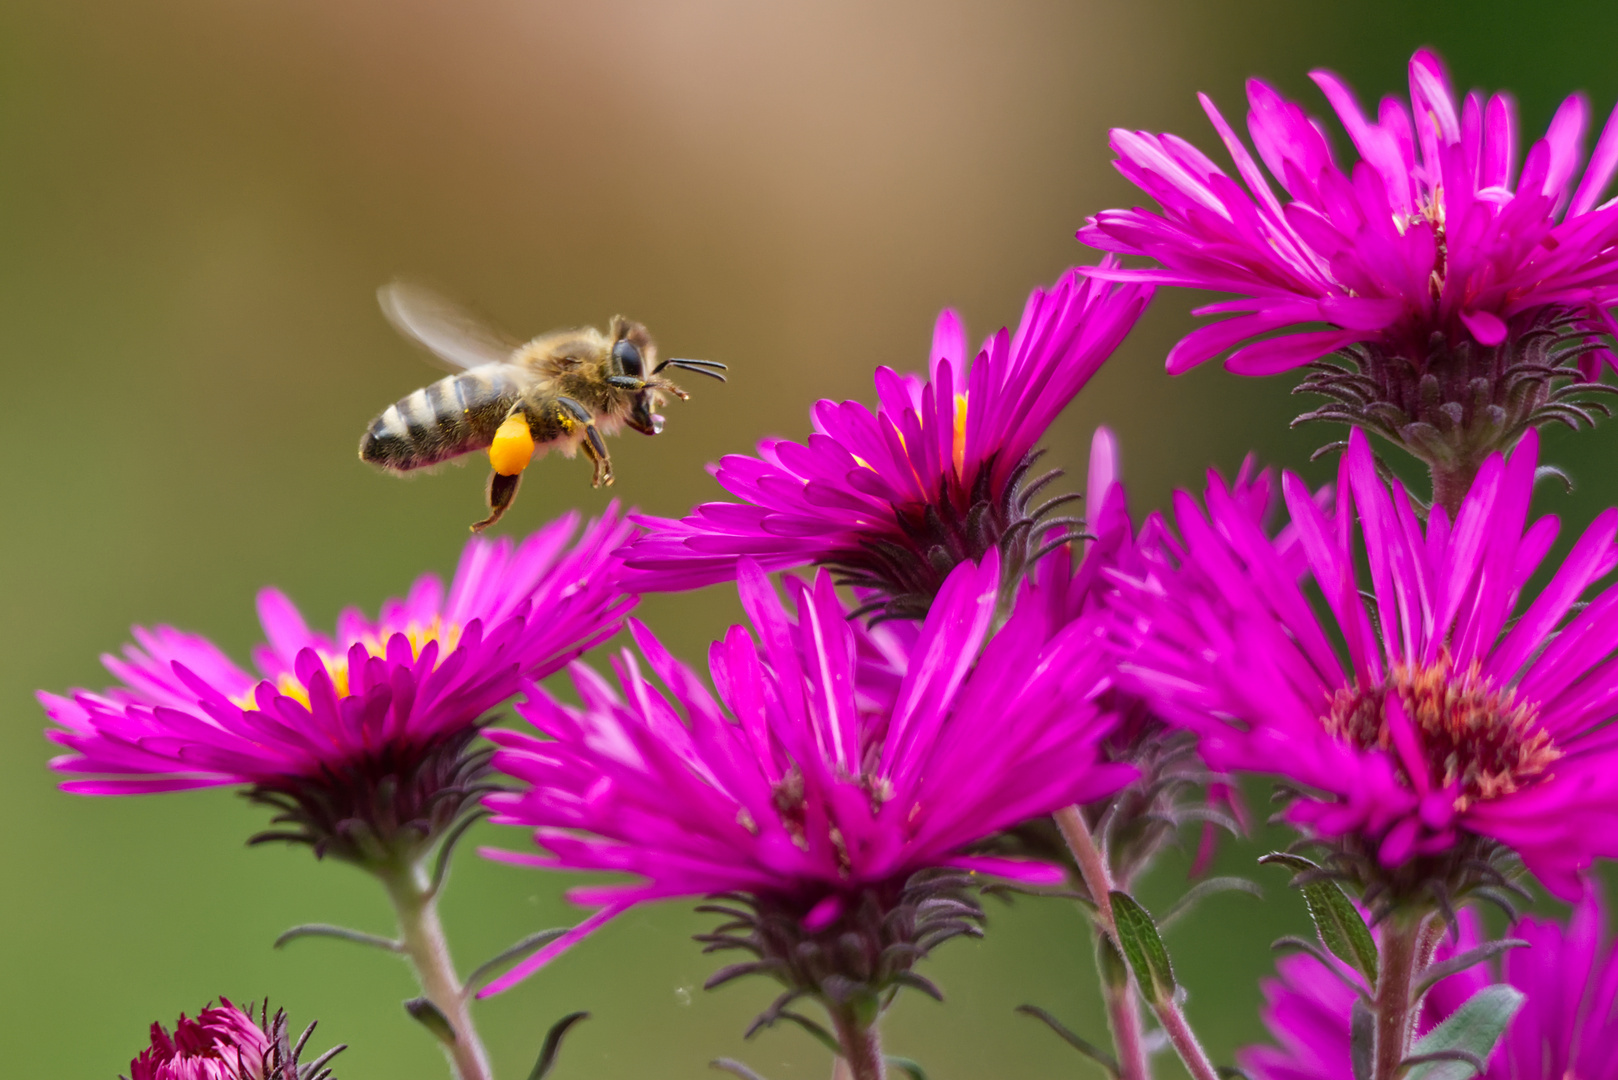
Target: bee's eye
[627, 358]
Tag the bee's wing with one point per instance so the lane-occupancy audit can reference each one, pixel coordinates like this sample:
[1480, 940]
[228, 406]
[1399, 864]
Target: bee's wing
[450, 332]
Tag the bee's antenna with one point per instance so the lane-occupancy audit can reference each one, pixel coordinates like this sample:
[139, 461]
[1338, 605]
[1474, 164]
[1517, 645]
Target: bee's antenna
[710, 368]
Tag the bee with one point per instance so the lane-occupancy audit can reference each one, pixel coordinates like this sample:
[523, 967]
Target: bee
[565, 391]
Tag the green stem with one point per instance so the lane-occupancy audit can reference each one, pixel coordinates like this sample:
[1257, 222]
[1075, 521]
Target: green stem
[1123, 1013]
[1450, 487]
[1128, 1042]
[862, 1045]
[422, 935]
[1185, 1041]
[1399, 964]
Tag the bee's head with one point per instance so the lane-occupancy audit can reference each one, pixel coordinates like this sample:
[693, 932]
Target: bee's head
[641, 417]
[633, 354]
[631, 368]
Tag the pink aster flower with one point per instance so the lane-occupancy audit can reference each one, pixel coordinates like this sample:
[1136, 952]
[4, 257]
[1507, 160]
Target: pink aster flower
[1566, 1027]
[1431, 260]
[835, 785]
[893, 500]
[1438, 716]
[1308, 1008]
[227, 1043]
[359, 735]
[1073, 584]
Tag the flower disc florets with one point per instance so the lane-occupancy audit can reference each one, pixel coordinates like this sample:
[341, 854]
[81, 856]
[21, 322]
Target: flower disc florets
[1465, 301]
[837, 764]
[364, 742]
[1475, 739]
[228, 1043]
[894, 500]
[1432, 719]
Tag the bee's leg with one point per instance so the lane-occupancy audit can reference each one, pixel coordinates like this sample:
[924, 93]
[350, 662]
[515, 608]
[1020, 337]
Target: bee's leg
[502, 491]
[595, 447]
[509, 455]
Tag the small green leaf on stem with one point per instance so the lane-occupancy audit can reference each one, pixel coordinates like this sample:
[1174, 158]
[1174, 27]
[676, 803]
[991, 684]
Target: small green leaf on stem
[906, 1066]
[1292, 862]
[516, 952]
[432, 1018]
[1143, 948]
[1340, 926]
[342, 933]
[1362, 1040]
[1438, 972]
[553, 1044]
[1473, 1029]
[1110, 963]
[1200, 892]
[446, 847]
[818, 1033]
[1074, 1039]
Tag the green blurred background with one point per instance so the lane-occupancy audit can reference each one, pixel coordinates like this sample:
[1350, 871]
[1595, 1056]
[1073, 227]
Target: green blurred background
[197, 200]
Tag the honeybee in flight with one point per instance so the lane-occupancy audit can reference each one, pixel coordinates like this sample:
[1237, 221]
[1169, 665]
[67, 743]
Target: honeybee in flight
[564, 390]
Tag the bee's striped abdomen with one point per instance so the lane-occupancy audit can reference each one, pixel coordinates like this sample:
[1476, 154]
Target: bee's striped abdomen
[453, 416]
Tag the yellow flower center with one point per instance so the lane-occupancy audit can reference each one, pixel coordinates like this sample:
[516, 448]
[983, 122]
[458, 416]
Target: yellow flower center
[336, 664]
[1473, 735]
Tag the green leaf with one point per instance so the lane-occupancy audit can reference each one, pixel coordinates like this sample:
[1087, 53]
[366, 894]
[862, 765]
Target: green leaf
[1341, 928]
[432, 1018]
[527, 945]
[1114, 971]
[1439, 972]
[1200, 892]
[1073, 1039]
[1288, 860]
[1473, 1029]
[906, 1066]
[818, 1033]
[1362, 1040]
[1143, 948]
[1336, 921]
[553, 1044]
[341, 933]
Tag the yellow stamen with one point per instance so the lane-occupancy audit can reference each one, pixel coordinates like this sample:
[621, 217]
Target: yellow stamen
[513, 447]
[960, 435]
[288, 685]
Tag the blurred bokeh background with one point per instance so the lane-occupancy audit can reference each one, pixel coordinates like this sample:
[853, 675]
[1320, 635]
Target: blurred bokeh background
[197, 201]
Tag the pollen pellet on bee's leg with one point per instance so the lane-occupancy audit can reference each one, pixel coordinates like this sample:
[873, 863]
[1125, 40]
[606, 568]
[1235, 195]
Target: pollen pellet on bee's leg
[513, 446]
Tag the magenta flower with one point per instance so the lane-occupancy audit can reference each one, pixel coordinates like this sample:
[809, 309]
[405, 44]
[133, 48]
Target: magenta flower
[893, 500]
[1566, 1027]
[370, 725]
[1430, 258]
[227, 1043]
[838, 768]
[1073, 584]
[1465, 722]
[1308, 1009]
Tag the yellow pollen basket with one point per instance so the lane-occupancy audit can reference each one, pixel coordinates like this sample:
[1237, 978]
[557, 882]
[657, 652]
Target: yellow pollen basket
[288, 685]
[513, 447]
